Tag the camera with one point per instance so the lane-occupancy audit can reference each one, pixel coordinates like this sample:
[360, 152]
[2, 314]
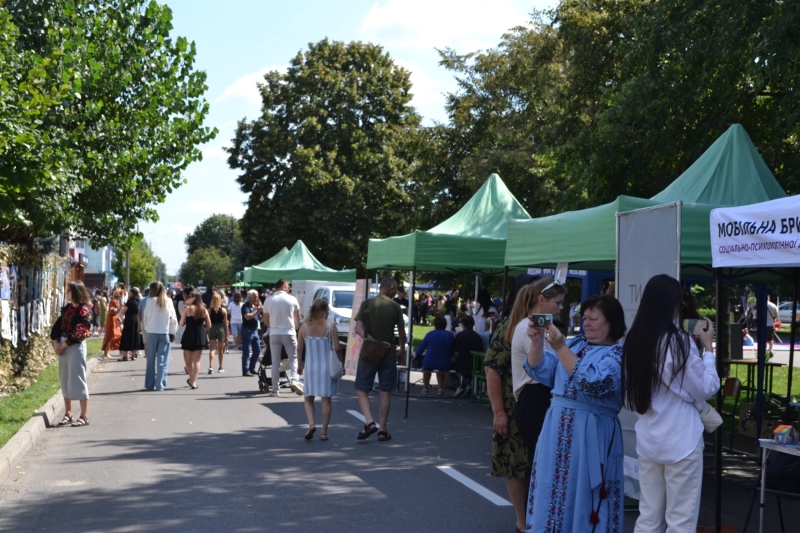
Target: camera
[694, 326]
[541, 321]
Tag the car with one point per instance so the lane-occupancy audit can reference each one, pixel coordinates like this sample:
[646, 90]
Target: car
[785, 312]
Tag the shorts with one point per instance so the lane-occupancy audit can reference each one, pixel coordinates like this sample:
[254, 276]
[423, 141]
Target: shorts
[387, 375]
[217, 332]
[236, 328]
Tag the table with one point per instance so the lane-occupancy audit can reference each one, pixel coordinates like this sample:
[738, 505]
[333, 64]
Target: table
[768, 445]
[750, 382]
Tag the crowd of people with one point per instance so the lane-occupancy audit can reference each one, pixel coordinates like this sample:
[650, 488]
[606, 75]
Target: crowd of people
[555, 399]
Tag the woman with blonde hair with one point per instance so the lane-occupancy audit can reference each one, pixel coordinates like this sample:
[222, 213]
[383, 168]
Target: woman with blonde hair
[113, 334]
[314, 343]
[160, 323]
[194, 318]
[544, 296]
[218, 334]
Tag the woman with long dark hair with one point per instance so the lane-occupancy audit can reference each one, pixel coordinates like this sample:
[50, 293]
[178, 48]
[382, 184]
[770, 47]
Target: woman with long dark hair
[131, 343]
[667, 382]
[196, 321]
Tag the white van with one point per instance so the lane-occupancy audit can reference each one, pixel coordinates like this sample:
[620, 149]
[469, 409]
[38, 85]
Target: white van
[339, 296]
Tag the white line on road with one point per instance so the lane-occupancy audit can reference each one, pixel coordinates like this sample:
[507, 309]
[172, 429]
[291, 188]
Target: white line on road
[360, 417]
[467, 482]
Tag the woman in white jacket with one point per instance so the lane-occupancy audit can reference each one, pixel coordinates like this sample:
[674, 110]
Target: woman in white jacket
[160, 323]
[667, 381]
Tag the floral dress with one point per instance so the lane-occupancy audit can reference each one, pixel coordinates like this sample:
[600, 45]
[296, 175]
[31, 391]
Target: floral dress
[509, 454]
[577, 475]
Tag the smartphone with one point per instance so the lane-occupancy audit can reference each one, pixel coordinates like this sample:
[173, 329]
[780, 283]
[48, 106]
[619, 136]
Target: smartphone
[541, 321]
[694, 326]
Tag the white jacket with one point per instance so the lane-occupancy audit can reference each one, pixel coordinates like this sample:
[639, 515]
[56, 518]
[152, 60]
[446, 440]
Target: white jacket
[159, 321]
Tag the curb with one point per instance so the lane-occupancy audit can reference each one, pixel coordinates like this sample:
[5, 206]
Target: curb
[44, 417]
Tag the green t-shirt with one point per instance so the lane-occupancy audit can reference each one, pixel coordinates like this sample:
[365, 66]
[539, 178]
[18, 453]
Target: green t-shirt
[384, 315]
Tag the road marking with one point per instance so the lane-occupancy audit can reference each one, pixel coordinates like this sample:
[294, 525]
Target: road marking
[361, 417]
[467, 482]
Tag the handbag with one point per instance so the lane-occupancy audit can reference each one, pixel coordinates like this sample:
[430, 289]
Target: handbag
[372, 351]
[337, 370]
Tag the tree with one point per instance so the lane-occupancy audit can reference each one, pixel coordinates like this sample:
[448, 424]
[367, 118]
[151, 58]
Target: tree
[116, 116]
[143, 264]
[328, 159]
[220, 231]
[208, 264]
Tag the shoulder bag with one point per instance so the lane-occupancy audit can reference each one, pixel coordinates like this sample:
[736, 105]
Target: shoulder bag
[337, 370]
[372, 351]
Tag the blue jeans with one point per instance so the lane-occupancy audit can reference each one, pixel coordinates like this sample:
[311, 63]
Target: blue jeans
[250, 341]
[157, 351]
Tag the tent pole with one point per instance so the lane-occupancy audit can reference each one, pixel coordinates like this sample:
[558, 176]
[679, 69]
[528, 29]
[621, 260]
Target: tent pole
[792, 337]
[719, 404]
[477, 278]
[409, 346]
[504, 295]
[761, 314]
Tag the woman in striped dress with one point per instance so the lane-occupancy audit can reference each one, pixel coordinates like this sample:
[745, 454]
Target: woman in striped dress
[314, 343]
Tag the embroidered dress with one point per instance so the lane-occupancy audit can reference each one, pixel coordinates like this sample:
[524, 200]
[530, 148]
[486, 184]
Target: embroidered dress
[577, 474]
[318, 381]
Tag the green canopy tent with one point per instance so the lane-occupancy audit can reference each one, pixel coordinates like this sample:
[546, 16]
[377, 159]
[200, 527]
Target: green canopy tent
[472, 240]
[269, 263]
[729, 173]
[297, 264]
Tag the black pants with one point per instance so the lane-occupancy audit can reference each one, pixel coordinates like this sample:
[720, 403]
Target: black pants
[529, 413]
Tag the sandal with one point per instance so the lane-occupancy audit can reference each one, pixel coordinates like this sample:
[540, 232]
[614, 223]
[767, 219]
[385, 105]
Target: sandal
[425, 391]
[440, 393]
[383, 436]
[82, 421]
[67, 420]
[369, 430]
[191, 386]
[310, 432]
[124, 358]
[323, 436]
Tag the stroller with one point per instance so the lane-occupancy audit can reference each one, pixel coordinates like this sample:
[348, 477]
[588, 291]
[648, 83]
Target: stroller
[265, 368]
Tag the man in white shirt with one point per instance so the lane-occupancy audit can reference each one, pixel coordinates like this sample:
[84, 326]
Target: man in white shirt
[772, 316]
[282, 317]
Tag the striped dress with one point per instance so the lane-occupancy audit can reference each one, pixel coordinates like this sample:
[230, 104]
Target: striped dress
[318, 381]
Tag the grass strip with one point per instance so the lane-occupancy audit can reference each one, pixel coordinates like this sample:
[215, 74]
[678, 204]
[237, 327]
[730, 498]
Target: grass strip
[17, 409]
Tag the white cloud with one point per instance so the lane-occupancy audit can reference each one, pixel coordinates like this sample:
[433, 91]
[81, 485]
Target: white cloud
[208, 208]
[215, 152]
[246, 87]
[427, 91]
[440, 23]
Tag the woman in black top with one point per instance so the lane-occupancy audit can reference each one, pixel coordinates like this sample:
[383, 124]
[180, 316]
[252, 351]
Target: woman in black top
[195, 318]
[131, 342]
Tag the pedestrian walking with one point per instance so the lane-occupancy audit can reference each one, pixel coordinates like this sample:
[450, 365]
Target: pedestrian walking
[315, 340]
[282, 317]
[102, 310]
[113, 334]
[235, 316]
[69, 334]
[131, 343]
[195, 318]
[249, 332]
[667, 382]
[218, 334]
[384, 316]
[95, 317]
[161, 324]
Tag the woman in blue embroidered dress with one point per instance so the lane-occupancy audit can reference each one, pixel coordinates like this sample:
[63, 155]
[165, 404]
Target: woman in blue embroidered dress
[577, 475]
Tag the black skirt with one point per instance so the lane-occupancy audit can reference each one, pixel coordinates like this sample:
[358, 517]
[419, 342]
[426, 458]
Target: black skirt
[194, 335]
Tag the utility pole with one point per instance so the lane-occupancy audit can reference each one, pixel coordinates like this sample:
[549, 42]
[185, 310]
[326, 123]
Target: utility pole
[127, 269]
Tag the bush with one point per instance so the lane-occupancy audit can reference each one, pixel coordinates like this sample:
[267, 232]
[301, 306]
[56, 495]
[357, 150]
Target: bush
[707, 312]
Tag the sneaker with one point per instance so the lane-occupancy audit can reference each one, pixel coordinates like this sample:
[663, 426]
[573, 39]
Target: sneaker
[210, 370]
[275, 394]
[459, 391]
[246, 374]
[297, 388]
[221, 370]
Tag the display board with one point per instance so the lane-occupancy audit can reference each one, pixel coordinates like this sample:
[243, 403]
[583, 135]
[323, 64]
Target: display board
[353, 340]
[648, 243]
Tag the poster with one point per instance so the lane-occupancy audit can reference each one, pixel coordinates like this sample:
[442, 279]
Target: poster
[35, 314]
[353, 340]
[5, 284]
[13, 314]
[23, 323]
[5, 320]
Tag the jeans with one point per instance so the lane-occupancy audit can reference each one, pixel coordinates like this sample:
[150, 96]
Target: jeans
[250, 341]
[157, 351]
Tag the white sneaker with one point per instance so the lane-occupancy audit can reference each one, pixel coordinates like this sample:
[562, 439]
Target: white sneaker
[220, 370]
[297, 388]
[210, 370]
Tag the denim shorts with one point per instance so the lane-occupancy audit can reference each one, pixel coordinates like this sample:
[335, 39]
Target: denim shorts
[387, 375]
[236, 328]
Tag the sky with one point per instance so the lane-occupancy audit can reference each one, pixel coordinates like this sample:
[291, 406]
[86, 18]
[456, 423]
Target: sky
[239, 40]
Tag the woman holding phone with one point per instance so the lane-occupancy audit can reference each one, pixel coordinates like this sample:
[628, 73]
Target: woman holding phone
[667, 381]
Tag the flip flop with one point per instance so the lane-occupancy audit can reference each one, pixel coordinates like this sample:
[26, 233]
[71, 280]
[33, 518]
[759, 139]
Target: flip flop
[369, 430]
[310, 433]
[383, 436]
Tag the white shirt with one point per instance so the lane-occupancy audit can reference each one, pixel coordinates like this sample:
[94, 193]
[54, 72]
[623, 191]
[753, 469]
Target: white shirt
[159, 321]
[281, 307]
[480, 320]
[671, 429]
[235, 312]
[520, 345]
[772, 313]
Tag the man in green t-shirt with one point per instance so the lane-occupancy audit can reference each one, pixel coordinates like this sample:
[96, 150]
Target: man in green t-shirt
[384, 315]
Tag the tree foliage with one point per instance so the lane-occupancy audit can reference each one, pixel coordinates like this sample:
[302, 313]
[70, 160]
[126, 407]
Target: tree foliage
[144, 264]
[328, 159]
[209, 264]
[101, 109]
[221, 232]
